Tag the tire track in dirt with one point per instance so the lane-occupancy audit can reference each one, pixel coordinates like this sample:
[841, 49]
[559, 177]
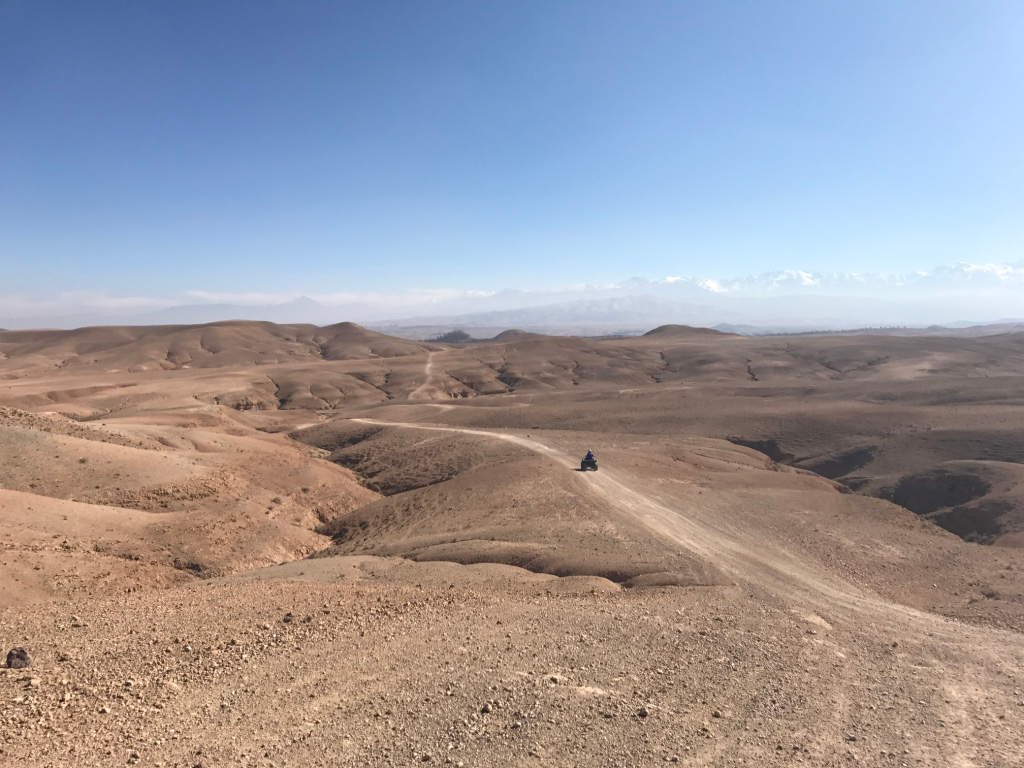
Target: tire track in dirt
[421, 392]
[954, 656]
[747, 557]
[713, 542]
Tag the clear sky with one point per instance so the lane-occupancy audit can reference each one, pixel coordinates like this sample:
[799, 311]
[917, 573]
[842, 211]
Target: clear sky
[151, 148]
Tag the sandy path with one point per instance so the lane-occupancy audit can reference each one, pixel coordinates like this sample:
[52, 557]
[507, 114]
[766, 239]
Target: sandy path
[715, 543]
[748, 556]
[422, 391]
[975, 667]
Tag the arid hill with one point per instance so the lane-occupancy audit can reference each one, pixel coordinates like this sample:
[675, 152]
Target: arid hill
[256, 544]
[230, 343]
[685, 330]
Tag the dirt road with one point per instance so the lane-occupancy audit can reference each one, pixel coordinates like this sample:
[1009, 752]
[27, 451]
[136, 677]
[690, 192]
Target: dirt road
[975, 669]
[423, 390]
[751, 557]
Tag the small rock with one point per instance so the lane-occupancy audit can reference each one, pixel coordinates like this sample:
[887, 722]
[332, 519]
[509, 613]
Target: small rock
[642, 712]
[104, 710]
[34, 682]
[486, 708]
[18, 658]
[288, 618]
[717, 713]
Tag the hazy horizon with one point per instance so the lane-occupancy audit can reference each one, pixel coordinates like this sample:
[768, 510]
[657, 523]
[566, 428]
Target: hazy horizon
[782, 298]
[398, 160]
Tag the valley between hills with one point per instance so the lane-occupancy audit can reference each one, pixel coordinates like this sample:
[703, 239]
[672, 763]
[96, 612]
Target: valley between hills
[254, 544]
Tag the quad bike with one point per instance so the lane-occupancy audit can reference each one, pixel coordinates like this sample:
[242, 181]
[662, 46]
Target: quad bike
[588, 464]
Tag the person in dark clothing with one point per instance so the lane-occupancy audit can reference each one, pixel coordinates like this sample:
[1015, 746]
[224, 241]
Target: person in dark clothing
[590, 462]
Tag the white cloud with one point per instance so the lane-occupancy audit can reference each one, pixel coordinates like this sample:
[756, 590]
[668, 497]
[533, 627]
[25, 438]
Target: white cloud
[999, 282]
[411, 297]
[257, 298]
[20, 305]
[712, 285]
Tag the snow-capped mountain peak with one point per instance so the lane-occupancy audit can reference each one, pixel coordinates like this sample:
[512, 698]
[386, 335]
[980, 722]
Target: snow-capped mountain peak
[961, 275]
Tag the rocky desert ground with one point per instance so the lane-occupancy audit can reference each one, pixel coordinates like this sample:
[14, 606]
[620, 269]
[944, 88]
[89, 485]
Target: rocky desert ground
[247, 544]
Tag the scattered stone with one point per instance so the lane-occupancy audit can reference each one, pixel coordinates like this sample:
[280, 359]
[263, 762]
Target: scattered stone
[288, 618]
[717, 713]
[486, 708]
[642, 712]
[18, 658]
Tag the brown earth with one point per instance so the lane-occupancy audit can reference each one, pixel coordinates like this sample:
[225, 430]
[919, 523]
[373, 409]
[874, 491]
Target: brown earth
[249, 544]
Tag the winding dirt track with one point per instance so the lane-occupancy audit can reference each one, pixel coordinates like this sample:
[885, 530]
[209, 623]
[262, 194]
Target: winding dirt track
[422, 392]
[976, 668]
[749, 557]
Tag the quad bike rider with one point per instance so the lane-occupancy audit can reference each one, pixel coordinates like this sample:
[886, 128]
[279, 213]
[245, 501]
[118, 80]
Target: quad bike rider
[589, 462]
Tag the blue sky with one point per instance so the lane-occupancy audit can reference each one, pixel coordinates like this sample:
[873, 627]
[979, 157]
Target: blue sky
[149, 149]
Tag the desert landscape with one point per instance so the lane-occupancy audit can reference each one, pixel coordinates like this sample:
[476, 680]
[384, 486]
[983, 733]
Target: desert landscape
[254, 544]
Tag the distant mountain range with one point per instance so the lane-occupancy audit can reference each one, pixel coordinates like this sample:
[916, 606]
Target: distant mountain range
[955, 277]
[959, 294]
[635, 314]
